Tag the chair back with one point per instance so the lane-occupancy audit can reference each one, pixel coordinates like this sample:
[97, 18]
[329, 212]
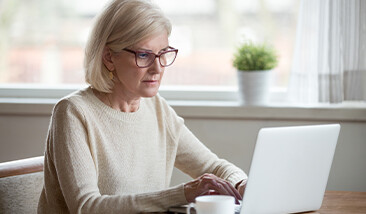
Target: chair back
[21, 183]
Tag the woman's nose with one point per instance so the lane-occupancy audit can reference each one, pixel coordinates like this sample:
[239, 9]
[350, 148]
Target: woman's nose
[156, 67]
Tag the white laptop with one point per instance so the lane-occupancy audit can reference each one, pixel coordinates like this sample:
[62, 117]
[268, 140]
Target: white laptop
[289, 170]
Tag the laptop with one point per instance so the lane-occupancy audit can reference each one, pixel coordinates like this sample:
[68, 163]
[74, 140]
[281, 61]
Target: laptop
[289, 170]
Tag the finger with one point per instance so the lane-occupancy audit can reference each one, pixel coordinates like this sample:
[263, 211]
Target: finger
[220, 187]
[205, 193]
[213, 192]
[242, 189]
[207, 175]
[235, 191]
[230, 189]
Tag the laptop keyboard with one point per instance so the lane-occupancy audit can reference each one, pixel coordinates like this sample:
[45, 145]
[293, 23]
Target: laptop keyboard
[237, 209]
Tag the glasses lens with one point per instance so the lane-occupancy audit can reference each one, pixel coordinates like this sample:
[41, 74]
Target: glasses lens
[144, 59]
[167, 58]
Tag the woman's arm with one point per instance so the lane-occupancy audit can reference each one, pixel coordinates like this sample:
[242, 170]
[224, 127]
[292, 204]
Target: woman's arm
[196, 160]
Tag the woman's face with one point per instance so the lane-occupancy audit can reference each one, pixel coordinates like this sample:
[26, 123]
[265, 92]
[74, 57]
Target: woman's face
[134, 82]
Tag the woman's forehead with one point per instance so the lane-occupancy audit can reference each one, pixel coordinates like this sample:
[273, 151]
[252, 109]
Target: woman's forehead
[156, 42]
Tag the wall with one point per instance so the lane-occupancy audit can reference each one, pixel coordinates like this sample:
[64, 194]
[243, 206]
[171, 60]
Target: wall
[229, 131]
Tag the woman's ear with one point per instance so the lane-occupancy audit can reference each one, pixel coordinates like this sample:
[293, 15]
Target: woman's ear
[107, 59]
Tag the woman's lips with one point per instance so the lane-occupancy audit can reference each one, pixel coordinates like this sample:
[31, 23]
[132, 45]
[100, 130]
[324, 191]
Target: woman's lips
[151, 82]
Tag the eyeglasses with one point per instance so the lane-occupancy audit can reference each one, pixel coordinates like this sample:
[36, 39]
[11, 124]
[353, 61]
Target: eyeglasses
[145, 59]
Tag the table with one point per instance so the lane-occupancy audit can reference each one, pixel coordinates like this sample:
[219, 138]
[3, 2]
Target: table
[339, 202]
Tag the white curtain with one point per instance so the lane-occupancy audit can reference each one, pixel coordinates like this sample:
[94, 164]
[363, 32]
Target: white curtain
[329, 63]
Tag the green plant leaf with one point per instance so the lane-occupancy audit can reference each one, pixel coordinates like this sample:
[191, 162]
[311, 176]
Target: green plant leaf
[254, 57]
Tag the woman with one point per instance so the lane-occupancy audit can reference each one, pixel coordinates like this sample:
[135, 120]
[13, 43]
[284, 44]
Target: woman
[111, 147]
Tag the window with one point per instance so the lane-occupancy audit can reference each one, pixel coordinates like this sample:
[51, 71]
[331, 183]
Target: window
[42, 41]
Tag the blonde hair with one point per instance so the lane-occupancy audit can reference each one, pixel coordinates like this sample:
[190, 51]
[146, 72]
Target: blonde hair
[122, 23]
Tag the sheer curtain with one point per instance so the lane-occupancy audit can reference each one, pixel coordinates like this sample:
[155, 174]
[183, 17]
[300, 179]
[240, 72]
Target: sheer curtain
[329, 63]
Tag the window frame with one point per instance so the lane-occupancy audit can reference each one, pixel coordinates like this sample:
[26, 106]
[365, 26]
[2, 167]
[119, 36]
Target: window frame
[172, 93]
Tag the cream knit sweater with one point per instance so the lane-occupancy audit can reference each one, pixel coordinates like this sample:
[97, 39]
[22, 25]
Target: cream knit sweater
[100, 160]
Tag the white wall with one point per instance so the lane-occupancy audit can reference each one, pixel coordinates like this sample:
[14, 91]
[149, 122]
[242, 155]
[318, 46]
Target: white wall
[228, 131]
[235, 140]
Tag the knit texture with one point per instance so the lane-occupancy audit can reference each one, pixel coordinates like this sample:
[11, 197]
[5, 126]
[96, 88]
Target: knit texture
[100, 160]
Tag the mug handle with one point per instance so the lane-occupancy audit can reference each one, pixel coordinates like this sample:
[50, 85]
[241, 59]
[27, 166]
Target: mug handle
[189, 207]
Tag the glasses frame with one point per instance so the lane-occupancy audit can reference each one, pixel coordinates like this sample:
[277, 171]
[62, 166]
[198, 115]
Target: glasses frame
[156, 56]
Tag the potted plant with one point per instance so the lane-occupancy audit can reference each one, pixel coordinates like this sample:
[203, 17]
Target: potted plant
[254, 64]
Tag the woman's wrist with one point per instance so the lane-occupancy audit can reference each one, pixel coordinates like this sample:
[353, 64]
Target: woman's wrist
[188, 189]
[237, 184]
[240, 186]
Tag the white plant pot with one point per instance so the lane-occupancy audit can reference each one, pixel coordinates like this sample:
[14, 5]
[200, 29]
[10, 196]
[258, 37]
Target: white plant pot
[254, 87]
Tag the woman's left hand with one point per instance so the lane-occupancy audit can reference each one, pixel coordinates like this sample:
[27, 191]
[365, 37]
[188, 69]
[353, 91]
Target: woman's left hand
[240, 186]
[209, 184]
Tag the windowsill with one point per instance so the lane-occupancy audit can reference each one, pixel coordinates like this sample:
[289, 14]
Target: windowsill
[189, 102]
[274, 111]
[355, 112]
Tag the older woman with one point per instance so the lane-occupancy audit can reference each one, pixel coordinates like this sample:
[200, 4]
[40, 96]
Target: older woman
[112, 146]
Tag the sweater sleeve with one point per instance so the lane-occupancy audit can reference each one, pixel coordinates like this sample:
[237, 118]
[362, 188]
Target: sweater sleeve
[69, 160]
[194, 158]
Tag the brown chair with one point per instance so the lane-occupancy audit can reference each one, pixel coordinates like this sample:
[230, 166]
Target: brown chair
[21, 183]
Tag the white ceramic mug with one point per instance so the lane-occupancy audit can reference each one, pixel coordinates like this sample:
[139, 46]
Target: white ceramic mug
[213, 204]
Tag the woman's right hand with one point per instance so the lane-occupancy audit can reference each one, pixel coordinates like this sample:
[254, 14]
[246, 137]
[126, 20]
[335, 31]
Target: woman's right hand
[208, 183]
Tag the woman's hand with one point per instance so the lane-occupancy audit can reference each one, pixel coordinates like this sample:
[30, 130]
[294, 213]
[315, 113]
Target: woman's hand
[240, 186]
[209, 184]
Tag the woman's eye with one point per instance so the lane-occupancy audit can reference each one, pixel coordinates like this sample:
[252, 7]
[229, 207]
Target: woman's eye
[143, 55]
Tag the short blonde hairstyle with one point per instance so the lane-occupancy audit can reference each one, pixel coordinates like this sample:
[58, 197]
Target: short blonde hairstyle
[122, 23]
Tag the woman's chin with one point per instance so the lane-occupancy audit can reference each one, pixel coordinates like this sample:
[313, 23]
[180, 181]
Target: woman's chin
[150, 93]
